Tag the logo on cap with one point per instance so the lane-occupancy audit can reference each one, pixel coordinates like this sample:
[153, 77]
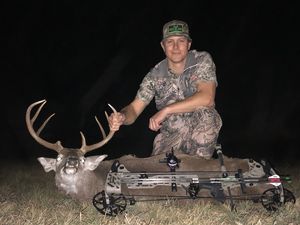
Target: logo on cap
[176, 28]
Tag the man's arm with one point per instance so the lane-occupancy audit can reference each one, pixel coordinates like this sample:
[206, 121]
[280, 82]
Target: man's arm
[127, 115]
[204, 97]
[132, 111]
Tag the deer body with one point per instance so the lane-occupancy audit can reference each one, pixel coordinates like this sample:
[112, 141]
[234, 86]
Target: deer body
[90, 177]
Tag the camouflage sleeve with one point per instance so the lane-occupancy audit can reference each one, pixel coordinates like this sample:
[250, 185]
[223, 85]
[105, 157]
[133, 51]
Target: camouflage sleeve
[206, 69]
[146, 91]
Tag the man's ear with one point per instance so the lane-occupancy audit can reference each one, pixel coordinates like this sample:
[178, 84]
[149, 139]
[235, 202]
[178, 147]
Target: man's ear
[190, 43]
[162, 45]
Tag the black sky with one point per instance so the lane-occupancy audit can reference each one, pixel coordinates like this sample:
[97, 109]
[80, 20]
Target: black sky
[81, 56]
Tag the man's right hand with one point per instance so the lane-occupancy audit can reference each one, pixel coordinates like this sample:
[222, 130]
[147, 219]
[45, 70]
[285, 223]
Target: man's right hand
[115, 120]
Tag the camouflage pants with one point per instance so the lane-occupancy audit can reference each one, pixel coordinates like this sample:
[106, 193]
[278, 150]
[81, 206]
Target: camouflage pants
[194, 133]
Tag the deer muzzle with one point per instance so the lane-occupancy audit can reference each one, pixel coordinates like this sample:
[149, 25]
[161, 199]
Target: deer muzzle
[71, 166]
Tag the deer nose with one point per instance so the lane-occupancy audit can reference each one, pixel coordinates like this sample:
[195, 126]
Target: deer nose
[72, 162]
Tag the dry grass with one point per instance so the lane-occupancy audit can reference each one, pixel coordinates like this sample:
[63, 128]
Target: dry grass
[28, 196]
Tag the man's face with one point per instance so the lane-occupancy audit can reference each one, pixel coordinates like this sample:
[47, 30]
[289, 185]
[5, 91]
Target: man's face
[176, 48]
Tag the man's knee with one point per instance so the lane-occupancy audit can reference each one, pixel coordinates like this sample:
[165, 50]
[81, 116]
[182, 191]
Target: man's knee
[205, 154]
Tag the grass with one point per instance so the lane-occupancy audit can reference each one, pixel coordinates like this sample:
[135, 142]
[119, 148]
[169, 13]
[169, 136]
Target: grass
[28, 196]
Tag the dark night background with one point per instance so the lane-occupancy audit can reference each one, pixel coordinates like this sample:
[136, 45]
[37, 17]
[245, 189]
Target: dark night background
[81, 56]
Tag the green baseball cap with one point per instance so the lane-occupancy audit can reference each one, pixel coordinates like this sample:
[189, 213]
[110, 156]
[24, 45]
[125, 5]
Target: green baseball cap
[176, 28]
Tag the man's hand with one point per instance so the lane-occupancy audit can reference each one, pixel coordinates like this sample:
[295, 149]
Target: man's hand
[115, 120]
[156, 120]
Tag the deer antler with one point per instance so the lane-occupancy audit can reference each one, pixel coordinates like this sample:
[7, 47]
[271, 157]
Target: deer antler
[30, 121]
[57, 146]
[87, 148]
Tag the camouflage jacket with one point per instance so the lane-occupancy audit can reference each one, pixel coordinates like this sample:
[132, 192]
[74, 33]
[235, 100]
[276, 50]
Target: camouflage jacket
[168, 88]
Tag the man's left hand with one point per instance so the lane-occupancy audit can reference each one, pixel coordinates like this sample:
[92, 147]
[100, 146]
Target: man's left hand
[156, 120]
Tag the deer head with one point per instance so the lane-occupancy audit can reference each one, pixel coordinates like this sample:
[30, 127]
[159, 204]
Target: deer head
[69, 161]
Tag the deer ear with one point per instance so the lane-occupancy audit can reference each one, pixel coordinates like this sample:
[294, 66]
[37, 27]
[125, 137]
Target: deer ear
[48, 163]
[92, 162]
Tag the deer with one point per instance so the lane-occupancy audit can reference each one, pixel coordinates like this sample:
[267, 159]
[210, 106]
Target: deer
[82, 177]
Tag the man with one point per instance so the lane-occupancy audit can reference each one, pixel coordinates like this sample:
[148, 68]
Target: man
[184, 86]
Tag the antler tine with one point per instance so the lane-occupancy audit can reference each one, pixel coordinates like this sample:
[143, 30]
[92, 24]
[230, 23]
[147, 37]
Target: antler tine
[86, 148]
[100, 126]
[83, 140]
[37, 113]
[38, 110]
[44, 124]
[29, 122]
[113, 109]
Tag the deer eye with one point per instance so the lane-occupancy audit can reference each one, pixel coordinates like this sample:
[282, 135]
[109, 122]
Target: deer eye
[59, 158]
